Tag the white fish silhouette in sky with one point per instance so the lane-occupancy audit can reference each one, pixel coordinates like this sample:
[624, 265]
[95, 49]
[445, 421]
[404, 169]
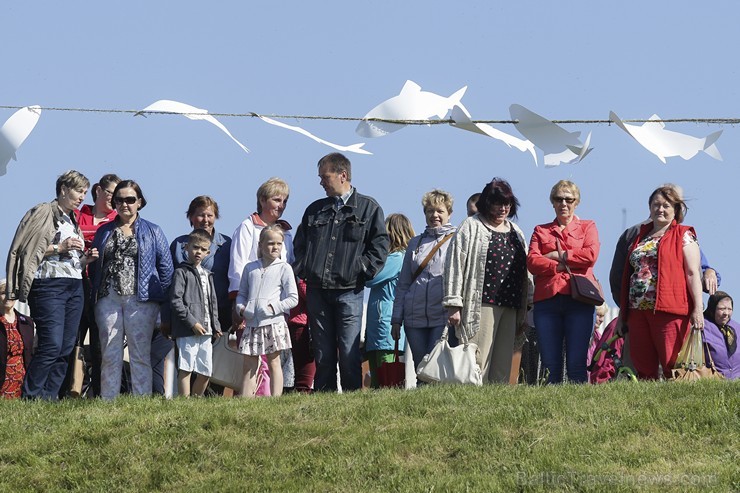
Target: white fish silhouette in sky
[411, 104]
[464, 121]
[559, 145]
[653, 136]
[14, 132]
[357, 148]
[191, 112]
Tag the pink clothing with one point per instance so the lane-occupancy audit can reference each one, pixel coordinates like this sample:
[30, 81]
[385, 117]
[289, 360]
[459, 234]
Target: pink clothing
[579, 238]
[603, 369]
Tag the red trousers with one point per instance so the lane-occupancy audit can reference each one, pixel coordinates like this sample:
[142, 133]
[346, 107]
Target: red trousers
[655, 337]
[305, 367]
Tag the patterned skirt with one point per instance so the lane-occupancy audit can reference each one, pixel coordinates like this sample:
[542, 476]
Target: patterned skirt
[266, 339]
[15, 370]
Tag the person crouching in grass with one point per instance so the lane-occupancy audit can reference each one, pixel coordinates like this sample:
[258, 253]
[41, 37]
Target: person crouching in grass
[194, 316]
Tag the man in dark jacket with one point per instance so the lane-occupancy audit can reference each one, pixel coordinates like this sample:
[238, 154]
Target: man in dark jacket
[340, 244]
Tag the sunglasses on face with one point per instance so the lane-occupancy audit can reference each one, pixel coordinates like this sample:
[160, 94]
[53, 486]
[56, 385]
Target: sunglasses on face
[567, 200]
[127, 200]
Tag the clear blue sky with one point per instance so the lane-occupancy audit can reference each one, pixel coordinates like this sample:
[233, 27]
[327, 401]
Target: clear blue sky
[573, 60]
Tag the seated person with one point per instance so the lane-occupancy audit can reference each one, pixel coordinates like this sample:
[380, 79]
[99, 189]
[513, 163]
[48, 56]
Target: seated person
[720, 335]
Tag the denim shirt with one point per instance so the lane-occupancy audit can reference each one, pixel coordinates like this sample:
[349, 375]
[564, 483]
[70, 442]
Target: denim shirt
[340, 247]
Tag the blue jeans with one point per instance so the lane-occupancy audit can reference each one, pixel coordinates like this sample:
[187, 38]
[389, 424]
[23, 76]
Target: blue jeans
[558, 319]
[422, 339]
[335, 317]
[56, 308]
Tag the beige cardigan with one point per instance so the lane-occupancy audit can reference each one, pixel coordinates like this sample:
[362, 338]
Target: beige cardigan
[465, 270]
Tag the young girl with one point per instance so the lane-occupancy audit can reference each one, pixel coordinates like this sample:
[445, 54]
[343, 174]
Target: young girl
[267, 291]
[379, 344]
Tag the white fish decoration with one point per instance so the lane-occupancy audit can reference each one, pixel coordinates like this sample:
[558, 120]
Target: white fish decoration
[356, 148]
[464, 121]
[14, 132]
[558, 145]
[653, 136]
[411, 104]
[191, 112]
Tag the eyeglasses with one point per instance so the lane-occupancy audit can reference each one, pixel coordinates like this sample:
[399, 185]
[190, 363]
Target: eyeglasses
[109, 192]
[567, 200]
[502, 206]
[128, 200]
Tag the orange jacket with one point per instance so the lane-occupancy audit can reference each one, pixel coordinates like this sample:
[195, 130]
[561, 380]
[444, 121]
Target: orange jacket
[580, 239]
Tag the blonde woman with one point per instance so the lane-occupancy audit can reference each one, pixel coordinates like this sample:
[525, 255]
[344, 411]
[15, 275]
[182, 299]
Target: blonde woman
[379, 343]
[418, 303]
[558, 318]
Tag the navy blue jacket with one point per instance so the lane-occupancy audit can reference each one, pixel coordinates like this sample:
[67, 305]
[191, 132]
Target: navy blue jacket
[154, 267]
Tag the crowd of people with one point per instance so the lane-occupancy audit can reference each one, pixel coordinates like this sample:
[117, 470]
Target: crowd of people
[292, 304]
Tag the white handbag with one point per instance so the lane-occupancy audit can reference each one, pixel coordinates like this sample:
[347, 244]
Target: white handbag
[447, 364]
[228, 364]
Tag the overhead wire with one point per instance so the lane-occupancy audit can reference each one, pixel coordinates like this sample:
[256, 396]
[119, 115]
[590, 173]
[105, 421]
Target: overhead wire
[712, 121]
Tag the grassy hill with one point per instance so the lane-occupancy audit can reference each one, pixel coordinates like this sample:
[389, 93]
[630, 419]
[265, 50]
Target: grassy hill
[616, 437]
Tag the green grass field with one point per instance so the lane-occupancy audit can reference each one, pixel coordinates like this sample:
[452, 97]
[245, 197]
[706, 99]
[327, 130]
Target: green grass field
[615, 437]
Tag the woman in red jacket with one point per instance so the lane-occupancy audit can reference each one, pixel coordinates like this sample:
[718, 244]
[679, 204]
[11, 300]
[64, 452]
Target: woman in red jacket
[558, 317]
[661, 286]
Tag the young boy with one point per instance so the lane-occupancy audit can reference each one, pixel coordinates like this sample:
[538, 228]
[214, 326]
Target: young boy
[194, 315]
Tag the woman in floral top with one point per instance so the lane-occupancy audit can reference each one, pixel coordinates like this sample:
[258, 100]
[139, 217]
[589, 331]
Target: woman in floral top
[486, 282]
[661, 286]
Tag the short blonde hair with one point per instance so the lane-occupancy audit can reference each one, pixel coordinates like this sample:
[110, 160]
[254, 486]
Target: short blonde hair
[272, 187]
[568, 186]
[436, 197]
[74, 180]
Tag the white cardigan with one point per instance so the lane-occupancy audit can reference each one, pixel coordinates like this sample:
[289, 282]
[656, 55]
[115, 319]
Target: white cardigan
[260, 287]
[465, 271]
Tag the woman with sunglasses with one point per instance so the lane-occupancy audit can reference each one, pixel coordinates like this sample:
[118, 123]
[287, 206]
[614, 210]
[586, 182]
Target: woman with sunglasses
[572, 242]
[129, 283]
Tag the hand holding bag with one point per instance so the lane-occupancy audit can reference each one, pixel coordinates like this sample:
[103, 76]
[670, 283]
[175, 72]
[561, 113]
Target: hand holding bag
[689, 364]
[392, 374]
[447, 364]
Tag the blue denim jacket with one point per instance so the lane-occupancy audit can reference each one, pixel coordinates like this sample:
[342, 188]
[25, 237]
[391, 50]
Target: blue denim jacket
[340, 248]
[154, 267]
